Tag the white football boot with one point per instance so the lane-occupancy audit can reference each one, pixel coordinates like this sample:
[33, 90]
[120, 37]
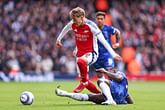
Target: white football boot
[60, 92]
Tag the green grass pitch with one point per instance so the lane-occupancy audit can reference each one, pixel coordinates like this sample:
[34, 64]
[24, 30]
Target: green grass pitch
[147, 96]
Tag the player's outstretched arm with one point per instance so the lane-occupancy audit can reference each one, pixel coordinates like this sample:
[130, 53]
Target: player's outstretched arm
[107, 46]
[58, 43]
[63, 33]
[112, 75]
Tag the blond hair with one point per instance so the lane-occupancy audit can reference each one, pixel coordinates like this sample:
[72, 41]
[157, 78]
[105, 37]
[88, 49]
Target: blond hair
[77, 12]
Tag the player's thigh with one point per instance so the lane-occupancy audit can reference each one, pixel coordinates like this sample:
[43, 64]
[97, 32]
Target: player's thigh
[90, 57]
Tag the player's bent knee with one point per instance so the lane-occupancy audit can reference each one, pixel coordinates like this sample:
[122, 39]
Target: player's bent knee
[102, 81]
[81, 61]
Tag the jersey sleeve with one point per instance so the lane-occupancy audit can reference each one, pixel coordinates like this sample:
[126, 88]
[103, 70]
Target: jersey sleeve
[114, 30]
[93, 27]
[67, 28]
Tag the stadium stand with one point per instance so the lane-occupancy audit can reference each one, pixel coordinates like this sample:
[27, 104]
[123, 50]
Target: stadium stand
[28, 30]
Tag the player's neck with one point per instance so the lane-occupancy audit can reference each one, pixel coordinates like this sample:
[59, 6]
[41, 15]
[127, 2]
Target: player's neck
[101, 26]
[80, 24]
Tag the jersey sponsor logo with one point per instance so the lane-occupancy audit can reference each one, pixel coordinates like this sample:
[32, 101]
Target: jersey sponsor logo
[81, 37]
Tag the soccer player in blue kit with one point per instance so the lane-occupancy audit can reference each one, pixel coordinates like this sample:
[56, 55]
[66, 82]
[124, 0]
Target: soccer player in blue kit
[118, 86]
[105, 60]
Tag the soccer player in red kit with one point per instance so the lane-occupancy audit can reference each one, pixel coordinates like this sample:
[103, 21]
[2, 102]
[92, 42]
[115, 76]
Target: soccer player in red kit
[86, 35]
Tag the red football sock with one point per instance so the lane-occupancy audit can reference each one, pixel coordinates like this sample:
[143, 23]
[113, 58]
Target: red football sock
[79, 88]
[83, 70]
[83, 75]
[91, 87]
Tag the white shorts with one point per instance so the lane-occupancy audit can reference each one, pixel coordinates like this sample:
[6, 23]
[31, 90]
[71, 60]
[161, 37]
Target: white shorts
[91, 58]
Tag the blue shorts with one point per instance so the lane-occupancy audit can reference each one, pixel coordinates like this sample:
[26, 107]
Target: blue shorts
[106, 63]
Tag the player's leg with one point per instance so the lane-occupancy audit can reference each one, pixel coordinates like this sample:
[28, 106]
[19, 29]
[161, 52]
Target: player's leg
[83, 63]
[82, 69]
[81, 86]
[91, 58]
[104, 86]
[106, 63]
[75, 96]
[96, 98]
[92, 88]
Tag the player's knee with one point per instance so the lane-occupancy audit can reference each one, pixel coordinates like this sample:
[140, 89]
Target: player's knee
[81, 61]
[102, 81]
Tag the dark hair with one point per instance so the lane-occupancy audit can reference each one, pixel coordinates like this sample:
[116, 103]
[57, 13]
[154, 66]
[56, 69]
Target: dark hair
[100, 13]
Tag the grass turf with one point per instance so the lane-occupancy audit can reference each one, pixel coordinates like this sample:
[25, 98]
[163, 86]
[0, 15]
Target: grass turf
[147, 96]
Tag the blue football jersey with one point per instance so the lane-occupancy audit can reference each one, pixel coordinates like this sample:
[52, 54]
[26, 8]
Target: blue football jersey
[119, 90]
[107, 31]
[105, 59]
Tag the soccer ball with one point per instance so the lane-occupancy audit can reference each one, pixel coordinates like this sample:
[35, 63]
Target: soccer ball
[26, 98]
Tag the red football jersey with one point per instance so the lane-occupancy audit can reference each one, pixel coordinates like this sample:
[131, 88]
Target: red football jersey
[84, 39]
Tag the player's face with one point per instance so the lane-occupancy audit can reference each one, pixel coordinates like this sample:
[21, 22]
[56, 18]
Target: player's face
[100, 20]
[78, 20]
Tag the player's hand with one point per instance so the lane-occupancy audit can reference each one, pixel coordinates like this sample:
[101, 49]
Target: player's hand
[58, 44]
[118, 57]
[116, 45]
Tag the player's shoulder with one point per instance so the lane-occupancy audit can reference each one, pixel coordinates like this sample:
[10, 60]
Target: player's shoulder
[108, 27]
[87, 21]
[69, 24]
[90, 23]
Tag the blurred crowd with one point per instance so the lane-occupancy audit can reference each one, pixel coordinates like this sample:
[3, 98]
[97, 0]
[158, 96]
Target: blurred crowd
[28, 31]
[142, 23]
[29, 28]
